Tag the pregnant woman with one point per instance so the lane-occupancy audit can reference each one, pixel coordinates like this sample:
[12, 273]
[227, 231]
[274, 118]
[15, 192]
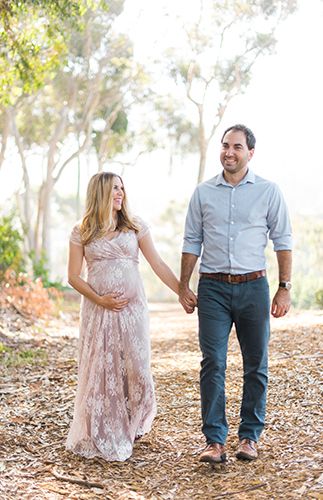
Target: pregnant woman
[115, 402]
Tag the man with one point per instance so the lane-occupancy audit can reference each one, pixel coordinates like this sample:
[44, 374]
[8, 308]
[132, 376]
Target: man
[230, 216]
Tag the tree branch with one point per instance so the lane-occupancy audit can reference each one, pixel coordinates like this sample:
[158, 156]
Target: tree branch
[76, 480]
[189, 85]
[237, 492]
[130, 163]
[86, 123]
[75, 154]
[4, 136]
[58, 132]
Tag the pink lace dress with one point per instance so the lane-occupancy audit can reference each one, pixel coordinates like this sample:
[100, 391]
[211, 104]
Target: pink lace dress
[115, 398]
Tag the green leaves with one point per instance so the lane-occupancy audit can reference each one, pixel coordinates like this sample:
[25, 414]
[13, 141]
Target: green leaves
[10, 245]
[33, 40]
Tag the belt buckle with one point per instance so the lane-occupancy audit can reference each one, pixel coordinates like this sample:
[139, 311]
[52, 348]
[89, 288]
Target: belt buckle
[229, 278]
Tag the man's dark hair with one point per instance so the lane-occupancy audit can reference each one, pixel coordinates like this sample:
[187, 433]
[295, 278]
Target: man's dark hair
[250, 138]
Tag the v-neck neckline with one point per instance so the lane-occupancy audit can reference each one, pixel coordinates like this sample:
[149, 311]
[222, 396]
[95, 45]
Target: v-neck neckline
[114, 237]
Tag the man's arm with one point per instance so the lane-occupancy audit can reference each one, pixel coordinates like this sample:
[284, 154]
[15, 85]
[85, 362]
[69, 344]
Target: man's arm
[186, 297]
[282, 301]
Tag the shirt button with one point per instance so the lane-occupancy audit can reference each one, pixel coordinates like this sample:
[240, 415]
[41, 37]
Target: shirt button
[231, 238]
[233, 190]
[232, 222]
[232, 206]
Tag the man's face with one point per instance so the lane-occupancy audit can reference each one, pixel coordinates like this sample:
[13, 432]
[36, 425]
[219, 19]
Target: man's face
[235, 154]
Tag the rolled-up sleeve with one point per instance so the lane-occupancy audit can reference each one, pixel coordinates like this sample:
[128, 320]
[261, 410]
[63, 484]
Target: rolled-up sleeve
[193, 234]
[280, 231]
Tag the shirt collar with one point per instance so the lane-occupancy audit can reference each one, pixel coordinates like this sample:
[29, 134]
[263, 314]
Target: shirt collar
[249, 177]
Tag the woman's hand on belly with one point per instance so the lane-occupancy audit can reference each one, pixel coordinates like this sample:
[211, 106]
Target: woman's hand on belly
[113, 302]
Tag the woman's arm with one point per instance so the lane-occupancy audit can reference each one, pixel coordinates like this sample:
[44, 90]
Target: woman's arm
[75, 261]
[157, 264]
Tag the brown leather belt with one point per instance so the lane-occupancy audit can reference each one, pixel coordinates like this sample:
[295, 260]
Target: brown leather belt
[234, 278]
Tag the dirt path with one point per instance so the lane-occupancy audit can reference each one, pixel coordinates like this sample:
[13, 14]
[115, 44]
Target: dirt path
[36, 398]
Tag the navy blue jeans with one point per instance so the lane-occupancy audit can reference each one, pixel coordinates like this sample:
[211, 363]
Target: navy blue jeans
[247, 306]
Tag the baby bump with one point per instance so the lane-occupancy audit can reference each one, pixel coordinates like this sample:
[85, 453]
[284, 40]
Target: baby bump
[116, 277]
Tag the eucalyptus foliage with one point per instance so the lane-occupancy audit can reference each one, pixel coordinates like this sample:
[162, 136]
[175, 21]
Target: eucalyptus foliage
[33, 38]
[10, 245]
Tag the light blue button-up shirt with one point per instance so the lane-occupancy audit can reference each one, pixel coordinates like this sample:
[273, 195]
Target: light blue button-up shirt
[230, 225]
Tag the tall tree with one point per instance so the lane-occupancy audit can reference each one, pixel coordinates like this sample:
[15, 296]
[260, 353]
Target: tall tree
[83, 109]
[224, 43]
[34, 37]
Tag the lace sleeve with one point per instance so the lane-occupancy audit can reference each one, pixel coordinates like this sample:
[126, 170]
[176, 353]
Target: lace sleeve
[75, 236]
[143, 228]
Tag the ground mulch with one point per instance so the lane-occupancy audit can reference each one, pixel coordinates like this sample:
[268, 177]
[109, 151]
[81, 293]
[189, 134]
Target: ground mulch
[37, 387]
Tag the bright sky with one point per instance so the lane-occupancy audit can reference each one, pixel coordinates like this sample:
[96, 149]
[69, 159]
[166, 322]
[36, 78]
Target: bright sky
[283, 105]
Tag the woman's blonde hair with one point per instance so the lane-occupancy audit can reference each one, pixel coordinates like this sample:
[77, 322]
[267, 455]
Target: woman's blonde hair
[98, 217]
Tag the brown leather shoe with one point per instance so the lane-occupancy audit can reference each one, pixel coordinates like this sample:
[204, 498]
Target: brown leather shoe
[247, 450]
[214, 453]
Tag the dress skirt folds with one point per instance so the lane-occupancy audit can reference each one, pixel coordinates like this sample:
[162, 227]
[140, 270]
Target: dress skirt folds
[115, 399]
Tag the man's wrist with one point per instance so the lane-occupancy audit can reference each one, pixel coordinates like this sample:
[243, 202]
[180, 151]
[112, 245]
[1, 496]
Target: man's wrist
[285, 285]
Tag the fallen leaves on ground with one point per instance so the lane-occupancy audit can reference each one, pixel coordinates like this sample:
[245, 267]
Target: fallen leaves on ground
[37, 403]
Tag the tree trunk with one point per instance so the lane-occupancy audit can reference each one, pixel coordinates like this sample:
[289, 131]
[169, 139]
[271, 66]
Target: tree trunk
[4, 136]
[203, 144]
[26, 208]
[37, 228]
[48, 186]
[78, 188]
[46, 217]
[202, 163]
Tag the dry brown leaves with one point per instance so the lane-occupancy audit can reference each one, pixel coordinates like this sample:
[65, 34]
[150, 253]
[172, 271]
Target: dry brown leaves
[37, 403]
[27, 296]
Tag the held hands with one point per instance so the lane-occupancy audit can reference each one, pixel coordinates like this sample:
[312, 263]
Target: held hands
[187, 298]
[281, 303]
[113, 302]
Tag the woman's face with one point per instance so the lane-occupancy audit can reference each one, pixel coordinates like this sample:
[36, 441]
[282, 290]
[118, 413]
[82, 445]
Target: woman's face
[117, 194]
